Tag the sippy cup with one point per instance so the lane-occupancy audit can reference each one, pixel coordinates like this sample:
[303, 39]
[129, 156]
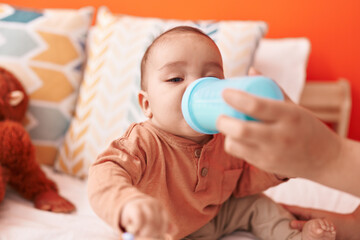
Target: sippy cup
[202, 102]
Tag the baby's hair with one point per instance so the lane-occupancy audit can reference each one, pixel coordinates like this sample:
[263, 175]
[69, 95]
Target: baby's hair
[179, 29]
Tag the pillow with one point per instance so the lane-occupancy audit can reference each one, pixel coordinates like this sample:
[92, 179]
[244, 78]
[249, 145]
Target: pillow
[285, 61]
[108, 95]
[45, 50]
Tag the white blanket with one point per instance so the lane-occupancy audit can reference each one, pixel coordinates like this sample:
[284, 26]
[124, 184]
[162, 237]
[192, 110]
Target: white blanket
[19, 220]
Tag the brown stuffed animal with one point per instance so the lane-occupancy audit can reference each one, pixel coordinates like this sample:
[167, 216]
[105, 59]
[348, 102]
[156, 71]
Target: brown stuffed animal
[18, 166]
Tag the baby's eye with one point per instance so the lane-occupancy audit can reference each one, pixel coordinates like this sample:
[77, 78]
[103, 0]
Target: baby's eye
[177, 79]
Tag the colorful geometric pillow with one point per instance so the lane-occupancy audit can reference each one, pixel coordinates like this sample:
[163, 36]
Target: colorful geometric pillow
[46, 51]
[108, 95]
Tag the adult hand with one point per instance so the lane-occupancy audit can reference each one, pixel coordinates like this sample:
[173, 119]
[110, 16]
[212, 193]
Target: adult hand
[347, 225]
[287, 139]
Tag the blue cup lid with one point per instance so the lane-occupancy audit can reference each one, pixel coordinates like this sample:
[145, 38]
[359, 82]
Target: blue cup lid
[185, 104]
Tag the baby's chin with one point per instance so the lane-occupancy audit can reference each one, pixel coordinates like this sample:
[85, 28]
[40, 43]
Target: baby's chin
[185, 131]
[196, 136]
[202, 139]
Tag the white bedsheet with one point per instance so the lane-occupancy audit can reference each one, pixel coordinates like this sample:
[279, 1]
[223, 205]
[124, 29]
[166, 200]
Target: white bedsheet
[19, 220]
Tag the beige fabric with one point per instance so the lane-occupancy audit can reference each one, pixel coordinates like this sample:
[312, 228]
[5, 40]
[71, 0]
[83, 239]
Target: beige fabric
[257, 214]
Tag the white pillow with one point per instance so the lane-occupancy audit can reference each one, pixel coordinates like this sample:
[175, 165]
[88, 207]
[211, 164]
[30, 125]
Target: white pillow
[305, 193]
[285, 61]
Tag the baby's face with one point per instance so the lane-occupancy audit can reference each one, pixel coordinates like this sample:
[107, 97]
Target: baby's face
[175, 61]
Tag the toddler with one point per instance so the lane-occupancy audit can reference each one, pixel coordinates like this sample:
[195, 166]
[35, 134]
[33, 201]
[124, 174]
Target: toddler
[162, 179]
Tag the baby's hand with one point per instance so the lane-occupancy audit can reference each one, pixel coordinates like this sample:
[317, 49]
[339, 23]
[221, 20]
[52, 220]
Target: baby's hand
[146, 218]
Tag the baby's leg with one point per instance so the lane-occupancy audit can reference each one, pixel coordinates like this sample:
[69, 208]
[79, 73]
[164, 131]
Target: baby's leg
[246, 214]
[318, 229]
[269, 220]
[257, 214]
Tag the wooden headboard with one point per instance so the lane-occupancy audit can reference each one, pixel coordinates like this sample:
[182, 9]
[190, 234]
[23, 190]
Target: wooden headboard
[330, 101]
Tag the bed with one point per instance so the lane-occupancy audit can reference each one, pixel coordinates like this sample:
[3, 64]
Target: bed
[19, 220]
[62, 153]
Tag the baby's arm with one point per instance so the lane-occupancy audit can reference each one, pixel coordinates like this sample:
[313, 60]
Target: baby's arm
[116, 200]
[254, 180]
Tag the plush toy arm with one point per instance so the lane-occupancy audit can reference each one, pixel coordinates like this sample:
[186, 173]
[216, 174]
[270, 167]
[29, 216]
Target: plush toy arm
[3, 181]
[17, 154]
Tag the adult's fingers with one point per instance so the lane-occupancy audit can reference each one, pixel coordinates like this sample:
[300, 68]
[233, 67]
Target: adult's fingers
[297, 224]
[241, 149]
[246, 131]
[260, 108]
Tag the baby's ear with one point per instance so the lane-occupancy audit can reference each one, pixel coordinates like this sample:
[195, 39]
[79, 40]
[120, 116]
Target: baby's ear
[144, 103]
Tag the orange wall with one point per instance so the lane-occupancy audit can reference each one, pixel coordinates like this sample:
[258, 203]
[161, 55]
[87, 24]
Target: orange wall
[332, 27]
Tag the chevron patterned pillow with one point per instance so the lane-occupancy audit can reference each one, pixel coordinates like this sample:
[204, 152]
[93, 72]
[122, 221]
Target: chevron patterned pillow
[108, 95]
[45, 50]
